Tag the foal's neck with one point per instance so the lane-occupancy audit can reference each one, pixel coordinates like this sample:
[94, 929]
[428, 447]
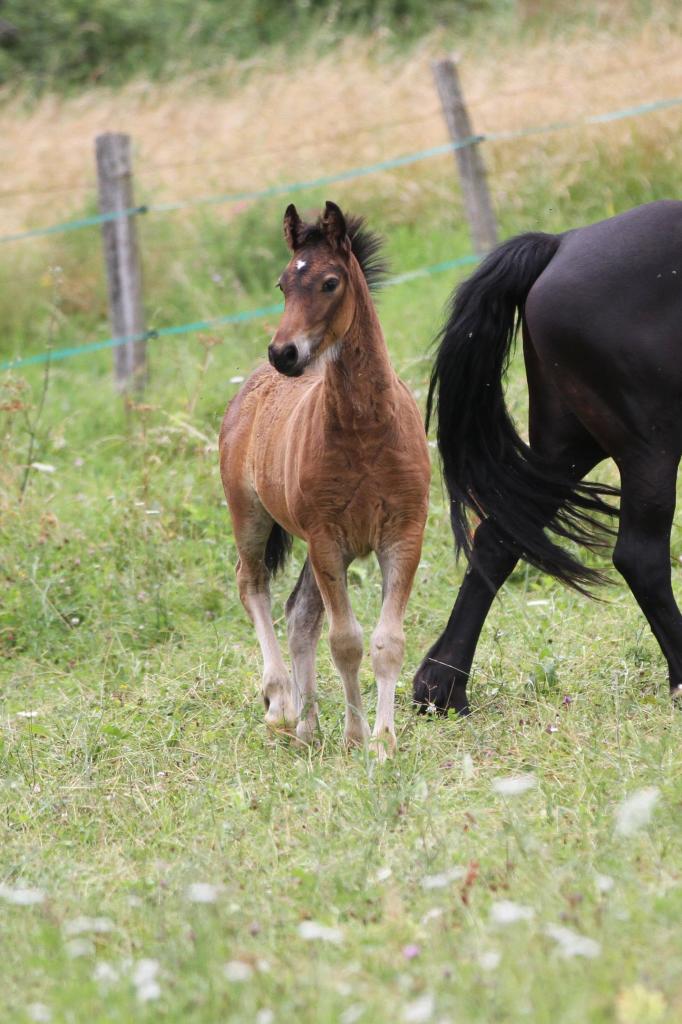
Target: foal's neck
[360, 383]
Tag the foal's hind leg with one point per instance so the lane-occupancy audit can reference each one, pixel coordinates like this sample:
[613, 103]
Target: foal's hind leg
[251, 535]
[304, 611]
[642, 552]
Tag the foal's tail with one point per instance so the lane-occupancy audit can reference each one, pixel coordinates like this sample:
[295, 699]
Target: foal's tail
[277, 549]
[488, 469]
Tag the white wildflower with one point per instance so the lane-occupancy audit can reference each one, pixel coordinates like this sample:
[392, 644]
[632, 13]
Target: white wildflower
[572, 943]
[80, 925]
[489, 960]
[79, 947]
[238, 970]
[236, 380]
[635, 812]
[27, 714]
[105, 973]
[39, 1012]
[352, 1014]
[432, 915]
[513, 785]
[537, 604]
[604, 883]
[468, 769]
[444, 878]
[383, 874]
[312, 930]
[21, 896]
[265, 1016]
[145, 980]
[419, 1010]
[203, 892]
[507, 912]
[43, 467]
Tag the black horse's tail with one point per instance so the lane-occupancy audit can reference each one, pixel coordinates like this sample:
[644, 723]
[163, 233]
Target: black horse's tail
[487, 467]
[277, 549]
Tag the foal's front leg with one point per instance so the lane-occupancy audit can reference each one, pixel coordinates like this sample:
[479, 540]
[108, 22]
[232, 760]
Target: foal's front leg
[398, 566]
[345, 634]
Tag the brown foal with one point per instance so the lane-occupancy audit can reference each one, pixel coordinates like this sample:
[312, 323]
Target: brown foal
[327, 444]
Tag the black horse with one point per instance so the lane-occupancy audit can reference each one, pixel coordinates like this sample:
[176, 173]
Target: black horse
[601, 315]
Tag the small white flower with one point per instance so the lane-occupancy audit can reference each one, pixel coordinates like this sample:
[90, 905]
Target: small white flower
[604, 883]
[21, 896]
[43, 467]
[489, 960]
[79, 947]
[635, 812]
[39, 1012]
[238, 970]
[312, 930]
[419, 1010]
[383, 874]
[79, 925]
[144, 978]
[105, 973]
[265, 1016]
[536, 604]
[513, 785]
[443, 879]
[432, 915]
[468, 769]
[352, 1014]
[203, 892]
[27, 714]
[507, 912]
[236, 380]
[571, 943]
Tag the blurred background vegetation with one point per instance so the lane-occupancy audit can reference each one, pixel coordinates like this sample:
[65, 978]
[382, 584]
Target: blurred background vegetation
[66, 44]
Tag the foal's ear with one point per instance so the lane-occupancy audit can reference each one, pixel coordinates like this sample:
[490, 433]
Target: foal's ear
[334, 226]
[292, 227]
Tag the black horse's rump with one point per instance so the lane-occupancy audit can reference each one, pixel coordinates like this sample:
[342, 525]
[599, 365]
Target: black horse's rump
[489, 470]
[601, 313]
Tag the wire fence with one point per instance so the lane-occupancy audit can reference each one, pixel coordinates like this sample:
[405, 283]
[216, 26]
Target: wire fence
[392, 163]
[290, 188]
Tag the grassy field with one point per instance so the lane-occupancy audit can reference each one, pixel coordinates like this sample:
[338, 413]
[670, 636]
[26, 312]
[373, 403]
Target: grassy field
[163, 857]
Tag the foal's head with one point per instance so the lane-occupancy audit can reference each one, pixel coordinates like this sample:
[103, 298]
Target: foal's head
[321, 286]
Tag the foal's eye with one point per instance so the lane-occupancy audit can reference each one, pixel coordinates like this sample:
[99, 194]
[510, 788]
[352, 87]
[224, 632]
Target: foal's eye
[330, 284]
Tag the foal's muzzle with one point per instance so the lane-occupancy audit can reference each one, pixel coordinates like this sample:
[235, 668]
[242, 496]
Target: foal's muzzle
[285, 359]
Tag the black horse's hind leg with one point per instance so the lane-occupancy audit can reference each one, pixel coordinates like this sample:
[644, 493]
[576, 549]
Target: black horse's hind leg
[557, 435]
[442, 677]
[642, 553]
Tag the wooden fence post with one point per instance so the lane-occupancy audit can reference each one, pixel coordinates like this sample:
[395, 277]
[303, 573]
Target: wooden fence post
[477, 204]
[124, 276]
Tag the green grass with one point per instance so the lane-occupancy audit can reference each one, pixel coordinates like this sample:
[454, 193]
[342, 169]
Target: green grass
[147, 768]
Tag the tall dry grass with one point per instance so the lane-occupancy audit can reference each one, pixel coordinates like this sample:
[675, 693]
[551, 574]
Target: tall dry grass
[298, 118]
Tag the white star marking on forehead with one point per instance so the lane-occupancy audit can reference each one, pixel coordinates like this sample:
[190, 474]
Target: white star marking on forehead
[300, 264]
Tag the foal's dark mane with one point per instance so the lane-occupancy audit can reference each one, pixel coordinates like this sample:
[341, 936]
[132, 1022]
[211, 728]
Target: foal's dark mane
[366, 246]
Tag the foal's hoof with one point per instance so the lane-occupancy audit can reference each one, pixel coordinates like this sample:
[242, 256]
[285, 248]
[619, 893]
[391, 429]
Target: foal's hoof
[280, 713]
[356, 734]
[435, 689]
[383, 745]
[308, 733]
[676, 694]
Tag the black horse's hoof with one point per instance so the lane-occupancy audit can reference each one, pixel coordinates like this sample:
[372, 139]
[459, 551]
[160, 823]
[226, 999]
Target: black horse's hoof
[436, 689]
